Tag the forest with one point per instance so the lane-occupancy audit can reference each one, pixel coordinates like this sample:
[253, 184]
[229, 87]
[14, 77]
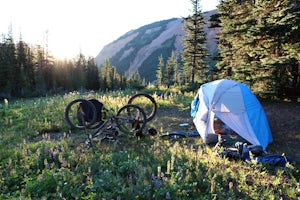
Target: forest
[29, 71]
[258, 44]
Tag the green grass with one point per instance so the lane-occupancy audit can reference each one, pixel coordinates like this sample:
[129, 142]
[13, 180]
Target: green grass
[40, 158]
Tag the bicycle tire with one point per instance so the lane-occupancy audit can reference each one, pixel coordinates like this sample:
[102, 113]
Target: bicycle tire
[143, 100]
[131, 119]
[80, 124]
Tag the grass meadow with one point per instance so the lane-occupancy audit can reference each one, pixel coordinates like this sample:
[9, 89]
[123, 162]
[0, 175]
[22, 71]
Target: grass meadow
[41, 158]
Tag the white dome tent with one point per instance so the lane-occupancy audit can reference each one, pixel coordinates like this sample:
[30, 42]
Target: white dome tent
[236, 106]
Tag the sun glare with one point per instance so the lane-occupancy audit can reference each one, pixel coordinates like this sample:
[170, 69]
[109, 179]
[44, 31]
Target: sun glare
[85, 26]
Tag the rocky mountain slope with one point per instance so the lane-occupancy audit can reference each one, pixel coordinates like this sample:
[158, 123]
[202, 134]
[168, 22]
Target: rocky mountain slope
[138, 50]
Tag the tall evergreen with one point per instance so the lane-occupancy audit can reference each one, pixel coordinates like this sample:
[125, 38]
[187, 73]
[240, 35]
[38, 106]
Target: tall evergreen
[25, 66]
[177, 76]
[7, 61]
[39, 59]
[48, 69]
[137, 80]
[160, 71]
[278, 28]
[228, 33]
[109, 78]
[62, 74]
[21, 69]
[16, 71]
[70, 81]
[30, 70]
[194, 51]
[255, 43]
[92, 75]
[80, 71]
[171, 66]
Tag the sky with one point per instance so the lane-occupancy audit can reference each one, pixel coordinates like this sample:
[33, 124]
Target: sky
[86, 26]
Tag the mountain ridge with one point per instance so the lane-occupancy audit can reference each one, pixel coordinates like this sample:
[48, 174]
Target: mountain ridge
[139, 49]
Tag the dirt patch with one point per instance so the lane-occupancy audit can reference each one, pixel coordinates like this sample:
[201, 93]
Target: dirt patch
[283, 117]
[284, 120]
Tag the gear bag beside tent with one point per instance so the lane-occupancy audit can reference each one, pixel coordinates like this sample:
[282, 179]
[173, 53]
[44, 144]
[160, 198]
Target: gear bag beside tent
[236, 106]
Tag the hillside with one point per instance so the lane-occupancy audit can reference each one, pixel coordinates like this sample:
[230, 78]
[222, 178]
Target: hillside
[140, 48]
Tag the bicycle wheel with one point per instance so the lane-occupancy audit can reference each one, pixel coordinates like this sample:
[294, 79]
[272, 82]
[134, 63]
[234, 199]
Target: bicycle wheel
[131, 119]
[80, 114]
[146, 102]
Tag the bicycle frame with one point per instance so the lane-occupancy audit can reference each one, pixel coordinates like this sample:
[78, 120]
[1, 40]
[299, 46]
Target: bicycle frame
[114, 122]
[110, 119]
[91, 114]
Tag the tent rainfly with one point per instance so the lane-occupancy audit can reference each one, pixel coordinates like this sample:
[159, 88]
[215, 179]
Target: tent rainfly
[236, 106]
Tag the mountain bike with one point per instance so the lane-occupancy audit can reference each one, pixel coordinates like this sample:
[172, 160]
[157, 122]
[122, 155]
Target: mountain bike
[92, 114]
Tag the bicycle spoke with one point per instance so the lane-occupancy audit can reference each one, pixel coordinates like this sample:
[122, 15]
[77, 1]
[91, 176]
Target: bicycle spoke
[131, 119]
[76, 117]
[146, 102]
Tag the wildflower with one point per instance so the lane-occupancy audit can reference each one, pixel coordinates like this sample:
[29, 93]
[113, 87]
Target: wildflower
[157, 183]
[5, 102]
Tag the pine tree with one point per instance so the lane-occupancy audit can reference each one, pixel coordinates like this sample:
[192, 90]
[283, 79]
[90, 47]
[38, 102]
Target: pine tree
[194, 51]
[255, 43]
[21, 68]
[137, 80]
[105, 82]
[177, 74]
[69, 78]
[279, 28]
[228, 33]
[160, 71]
[12, 63]
[80, 71]
[39, 58]
[30, 73]
[112, 74]
[241, 42]
[92, 75]
[26, 67]
[7, 60]
[170, 73]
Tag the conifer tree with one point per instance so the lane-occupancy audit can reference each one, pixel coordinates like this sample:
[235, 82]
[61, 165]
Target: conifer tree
[123, 82]
[194, 51]
[226, 36]
[69, 80]
[12, 63]
[177, 76]
[92, 75]
[26, 66]
[22, 67]
[7, 61]
[105, 81]
[112, 75]
[30, 71]
[39, 69]
[62, 74]
[169, 73]
[255, 43]
[137, 80]
[160, 71]
[278, 25]
[171, 66]
[80, 71]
